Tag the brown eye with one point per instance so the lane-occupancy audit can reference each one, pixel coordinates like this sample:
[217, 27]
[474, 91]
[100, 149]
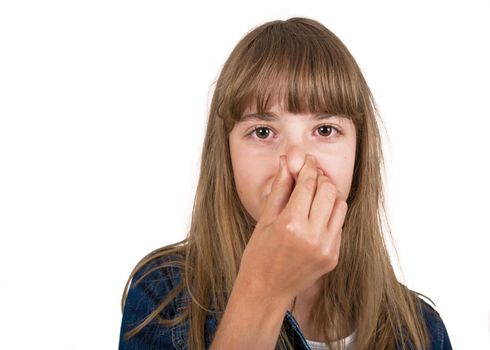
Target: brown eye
[325, 130]
[262, 132]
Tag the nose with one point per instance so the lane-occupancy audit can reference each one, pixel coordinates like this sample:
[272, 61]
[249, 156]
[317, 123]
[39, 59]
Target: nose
[295, 158]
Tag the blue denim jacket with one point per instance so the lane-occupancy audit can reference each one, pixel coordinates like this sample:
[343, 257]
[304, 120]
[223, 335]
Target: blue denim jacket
[146, 295]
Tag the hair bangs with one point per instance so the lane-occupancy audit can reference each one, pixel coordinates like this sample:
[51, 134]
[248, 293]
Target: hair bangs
[302, 71]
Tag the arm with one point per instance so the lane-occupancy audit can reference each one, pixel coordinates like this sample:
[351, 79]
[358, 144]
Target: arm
[252, 320]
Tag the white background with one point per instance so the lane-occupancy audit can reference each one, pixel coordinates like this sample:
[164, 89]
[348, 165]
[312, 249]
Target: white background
[103, 108]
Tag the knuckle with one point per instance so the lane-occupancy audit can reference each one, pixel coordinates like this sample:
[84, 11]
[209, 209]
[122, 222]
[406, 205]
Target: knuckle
[291, 226]
[330, 257]
[312, 243]
[330, 265]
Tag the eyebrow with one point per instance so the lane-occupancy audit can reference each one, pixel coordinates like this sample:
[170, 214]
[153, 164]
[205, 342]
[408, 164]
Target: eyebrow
[270, 116]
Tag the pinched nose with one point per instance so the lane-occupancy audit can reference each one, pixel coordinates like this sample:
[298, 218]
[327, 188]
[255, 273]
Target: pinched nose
[295, 160]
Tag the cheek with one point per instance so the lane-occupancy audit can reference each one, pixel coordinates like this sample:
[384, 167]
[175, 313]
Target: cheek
[251, 180]
[249, 167]
[250, 189]
[244, 178]
[340, 170]
[242, 169]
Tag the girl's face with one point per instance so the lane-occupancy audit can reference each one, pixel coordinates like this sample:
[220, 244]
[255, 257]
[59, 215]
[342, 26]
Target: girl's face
[257, 142]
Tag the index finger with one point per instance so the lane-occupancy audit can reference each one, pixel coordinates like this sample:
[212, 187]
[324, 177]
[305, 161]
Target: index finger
[279, 195]
[304, 192]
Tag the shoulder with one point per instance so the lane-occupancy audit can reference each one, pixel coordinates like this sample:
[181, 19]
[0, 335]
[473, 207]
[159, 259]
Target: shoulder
[157, 277]
[435, 325]
[151, 285]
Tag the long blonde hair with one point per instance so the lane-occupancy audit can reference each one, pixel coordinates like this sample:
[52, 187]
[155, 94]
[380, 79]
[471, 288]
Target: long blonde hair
[302, 63]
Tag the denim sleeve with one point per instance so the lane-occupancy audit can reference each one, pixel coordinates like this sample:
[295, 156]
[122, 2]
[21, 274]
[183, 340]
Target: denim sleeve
[142, 299]
[444, 336]
[437, 329]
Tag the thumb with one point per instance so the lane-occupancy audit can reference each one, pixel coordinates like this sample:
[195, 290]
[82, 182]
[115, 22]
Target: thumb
[280, 192]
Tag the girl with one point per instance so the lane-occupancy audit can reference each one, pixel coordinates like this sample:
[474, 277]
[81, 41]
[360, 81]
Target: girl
[285, 248]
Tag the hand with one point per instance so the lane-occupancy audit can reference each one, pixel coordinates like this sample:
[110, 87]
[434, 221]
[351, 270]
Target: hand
[297, 237]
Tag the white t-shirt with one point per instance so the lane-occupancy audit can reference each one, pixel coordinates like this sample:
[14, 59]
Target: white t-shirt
[348, 341]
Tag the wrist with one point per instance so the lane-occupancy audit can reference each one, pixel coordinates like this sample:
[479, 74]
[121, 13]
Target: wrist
[252, 293]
